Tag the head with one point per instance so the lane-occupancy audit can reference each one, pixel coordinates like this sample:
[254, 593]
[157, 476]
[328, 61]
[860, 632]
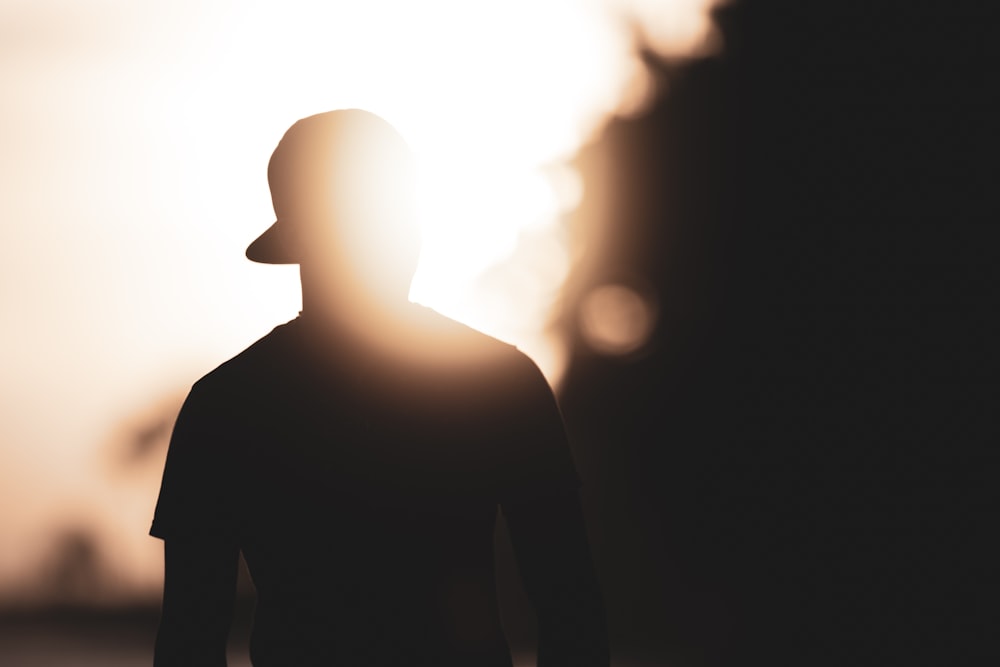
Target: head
[342, 190]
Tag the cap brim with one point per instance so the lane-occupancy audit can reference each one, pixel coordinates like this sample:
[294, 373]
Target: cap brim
[270, 248]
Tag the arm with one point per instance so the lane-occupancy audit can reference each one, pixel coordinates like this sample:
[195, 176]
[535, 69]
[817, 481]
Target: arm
[199, 590]
[553, 556]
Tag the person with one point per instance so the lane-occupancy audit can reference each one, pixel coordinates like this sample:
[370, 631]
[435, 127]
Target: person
[357, 455]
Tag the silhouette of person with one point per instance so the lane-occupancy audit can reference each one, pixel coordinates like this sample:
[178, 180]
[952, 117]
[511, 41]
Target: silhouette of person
[357, 455]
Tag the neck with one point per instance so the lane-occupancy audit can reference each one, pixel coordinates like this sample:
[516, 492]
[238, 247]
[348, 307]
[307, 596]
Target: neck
[351, 313]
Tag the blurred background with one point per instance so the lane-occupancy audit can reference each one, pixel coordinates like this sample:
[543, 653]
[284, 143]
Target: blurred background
[750, 244]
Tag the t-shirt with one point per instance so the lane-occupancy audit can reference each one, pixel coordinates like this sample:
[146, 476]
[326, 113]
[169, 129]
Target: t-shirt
[363, 490]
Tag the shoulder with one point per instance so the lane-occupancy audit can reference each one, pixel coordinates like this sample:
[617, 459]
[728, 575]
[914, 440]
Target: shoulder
[238, 382]
[263, 357]
[508, 378]
[467, 346]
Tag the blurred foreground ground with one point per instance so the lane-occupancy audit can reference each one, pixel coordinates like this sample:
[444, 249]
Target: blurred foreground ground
[84, 638]
[120, 638]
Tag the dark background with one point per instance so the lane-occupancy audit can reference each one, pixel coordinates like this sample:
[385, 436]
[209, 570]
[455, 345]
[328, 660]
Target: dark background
[801, 468]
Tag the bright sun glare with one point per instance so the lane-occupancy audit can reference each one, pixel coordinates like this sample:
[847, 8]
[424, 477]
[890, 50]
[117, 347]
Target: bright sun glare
[495, 99]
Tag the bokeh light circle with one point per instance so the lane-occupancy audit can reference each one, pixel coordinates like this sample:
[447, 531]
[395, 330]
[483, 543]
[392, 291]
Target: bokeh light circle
[616, 319]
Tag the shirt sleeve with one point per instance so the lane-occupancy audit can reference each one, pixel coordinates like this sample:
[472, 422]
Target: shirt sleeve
[196, 494]
[549, 536]
[539, 459]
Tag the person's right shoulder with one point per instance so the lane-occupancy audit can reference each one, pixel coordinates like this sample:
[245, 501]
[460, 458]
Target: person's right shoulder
[247, 371]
